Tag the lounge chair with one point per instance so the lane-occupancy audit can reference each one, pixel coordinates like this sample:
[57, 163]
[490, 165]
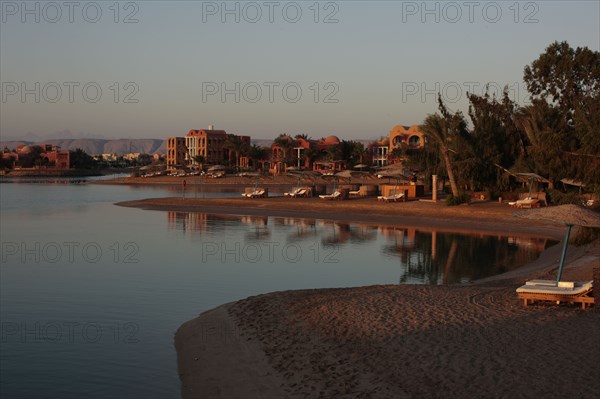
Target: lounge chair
[564, 291]
[357, 192]
[526, 203]
[254, 194]
[293, 192]
[299, 194]
[335, 196]
[391, 198]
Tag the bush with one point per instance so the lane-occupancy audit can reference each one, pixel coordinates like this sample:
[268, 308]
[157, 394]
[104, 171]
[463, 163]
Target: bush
[460, 199]
[556, 197]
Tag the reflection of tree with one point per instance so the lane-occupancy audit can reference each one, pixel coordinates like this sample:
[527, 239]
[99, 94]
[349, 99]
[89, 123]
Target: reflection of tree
[346, 232]
[457, 257]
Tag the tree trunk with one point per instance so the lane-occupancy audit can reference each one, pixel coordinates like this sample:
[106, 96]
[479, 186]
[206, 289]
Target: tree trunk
[450, 172]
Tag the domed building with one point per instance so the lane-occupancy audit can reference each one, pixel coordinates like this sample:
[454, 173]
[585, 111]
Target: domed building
[412, 137]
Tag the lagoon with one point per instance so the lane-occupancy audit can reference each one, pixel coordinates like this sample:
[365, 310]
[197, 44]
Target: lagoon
[92, 293]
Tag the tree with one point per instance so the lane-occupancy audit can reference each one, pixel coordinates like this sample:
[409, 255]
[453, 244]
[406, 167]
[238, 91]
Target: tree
[199, 160]
[237, 147]
[284, 142]
[445, 129]
[564, 77]
[352, 152]
[562, 122]
[79, 159]
[495, 143]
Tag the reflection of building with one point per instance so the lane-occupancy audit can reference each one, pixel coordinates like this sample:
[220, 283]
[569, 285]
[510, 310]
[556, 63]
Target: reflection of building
[187, 221]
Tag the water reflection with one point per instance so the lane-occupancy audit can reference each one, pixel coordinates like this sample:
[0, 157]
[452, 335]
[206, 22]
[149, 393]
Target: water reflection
[423, 255]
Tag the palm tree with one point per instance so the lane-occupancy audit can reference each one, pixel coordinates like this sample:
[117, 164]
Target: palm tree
[284, 142]
[237, 147]
[442, 128]
[257, 153]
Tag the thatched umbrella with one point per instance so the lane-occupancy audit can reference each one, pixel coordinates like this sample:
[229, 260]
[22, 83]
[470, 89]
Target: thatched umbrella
[531, 177]
[570, 215]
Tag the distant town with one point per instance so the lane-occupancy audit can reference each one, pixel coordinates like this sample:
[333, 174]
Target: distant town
[202, 148]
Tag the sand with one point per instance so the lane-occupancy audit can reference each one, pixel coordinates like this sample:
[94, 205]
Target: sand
[398, 341]
[395, 341]
[483, 217]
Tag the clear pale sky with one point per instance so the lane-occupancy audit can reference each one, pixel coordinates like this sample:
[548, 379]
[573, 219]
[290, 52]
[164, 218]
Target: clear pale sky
[381, 60]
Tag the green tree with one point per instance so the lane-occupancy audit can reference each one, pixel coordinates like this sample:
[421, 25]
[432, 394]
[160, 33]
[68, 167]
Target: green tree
[495, 142]
[562, 122]
[444, 129]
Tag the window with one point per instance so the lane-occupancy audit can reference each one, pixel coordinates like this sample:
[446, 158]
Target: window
[414, 141]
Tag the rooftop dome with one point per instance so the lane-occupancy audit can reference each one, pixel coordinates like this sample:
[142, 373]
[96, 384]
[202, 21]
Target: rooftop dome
[331, 140]
[28, 149]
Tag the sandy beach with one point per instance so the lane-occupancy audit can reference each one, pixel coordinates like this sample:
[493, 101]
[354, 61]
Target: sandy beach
[398, 341]
[395, 341]
[484, 217]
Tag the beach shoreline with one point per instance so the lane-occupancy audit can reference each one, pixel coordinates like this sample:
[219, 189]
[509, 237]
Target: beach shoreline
[481, 217]
[399, 341]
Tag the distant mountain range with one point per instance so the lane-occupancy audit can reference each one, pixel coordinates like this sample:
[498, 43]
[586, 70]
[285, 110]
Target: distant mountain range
[116, 146]
[99, 146]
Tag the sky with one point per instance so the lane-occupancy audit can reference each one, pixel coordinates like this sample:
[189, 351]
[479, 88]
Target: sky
[153, 69]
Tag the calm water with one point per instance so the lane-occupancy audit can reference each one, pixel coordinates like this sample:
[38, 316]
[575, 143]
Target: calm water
[92, 294]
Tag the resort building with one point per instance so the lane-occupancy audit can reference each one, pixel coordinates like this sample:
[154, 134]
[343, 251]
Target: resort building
[38, 156]
[412, 137]
[379, 151]
[302, 153]
[209, 144]
[176, 152]
[385, 151]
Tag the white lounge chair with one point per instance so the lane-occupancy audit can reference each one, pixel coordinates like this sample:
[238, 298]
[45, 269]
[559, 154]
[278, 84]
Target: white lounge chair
[563, 291]
[293, 192]
[254, 194]
[299, 194]
[391, 198]
[334, 196]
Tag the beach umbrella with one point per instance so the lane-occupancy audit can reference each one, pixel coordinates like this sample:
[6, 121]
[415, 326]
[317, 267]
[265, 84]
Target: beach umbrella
[571, 182]
[215, 168]
[395, 173]
[360, 166]
[291, 168]
[531, 177]
[570, 215]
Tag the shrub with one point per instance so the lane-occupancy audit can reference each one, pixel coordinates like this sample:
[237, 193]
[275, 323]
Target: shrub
[460, 199]
[557, 197]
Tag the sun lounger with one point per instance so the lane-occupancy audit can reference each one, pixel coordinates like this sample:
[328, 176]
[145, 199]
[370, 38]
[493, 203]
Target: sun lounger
[357, 192]
[526, 203]
[254, 194]
[293, 193]
[391, 198]
[336, 195]
[565, 291]
[301, 193]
